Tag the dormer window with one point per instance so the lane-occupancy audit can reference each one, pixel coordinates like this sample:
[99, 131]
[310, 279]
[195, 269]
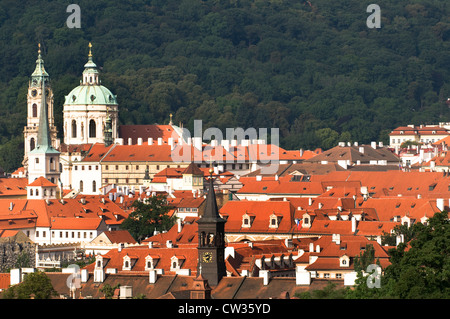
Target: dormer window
[126, 263]
[274, 221]
[151, 262]
[307, 220]
[247, 220]
[176, 262]
[99, 262]
[344, 261]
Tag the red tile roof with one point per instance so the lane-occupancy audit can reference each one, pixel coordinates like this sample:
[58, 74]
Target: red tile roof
[13, 186]
[75, 223]
[97, 152]
[154, 131]
[235, 210]
[42, 182]
[139, 153]
[188, 253]
[5, 281]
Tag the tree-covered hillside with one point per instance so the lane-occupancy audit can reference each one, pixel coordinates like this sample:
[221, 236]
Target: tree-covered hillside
[311, 68]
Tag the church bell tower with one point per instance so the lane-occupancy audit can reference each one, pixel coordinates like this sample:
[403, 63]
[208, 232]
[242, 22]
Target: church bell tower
[34, 104]
[211, 240]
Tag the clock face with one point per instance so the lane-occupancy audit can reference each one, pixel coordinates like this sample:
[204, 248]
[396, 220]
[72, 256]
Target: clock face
[207, 257]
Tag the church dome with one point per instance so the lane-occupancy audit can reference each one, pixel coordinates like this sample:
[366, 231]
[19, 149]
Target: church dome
[90, 91]
[90, 94]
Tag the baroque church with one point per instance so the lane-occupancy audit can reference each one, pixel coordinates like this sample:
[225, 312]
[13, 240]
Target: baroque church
[90, 116]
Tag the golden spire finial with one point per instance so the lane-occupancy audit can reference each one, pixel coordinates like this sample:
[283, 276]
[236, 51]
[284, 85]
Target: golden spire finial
[211, 170]
[39, 50]
[90, 51]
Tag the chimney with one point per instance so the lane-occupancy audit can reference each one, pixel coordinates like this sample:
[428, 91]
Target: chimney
[139, 140]
[160, 142]
[361, 149]
[169, 244]
[354, 223]
[152, 276]
[180, 226]
[374, 145]
[317, 248]
[336, 238]
[15, 276]
[11, 206]
[311, 247]
[150, 244]
[84, 275]
[130, 141]
[83, 200]
[265, 275]
[440, 204]
[150, 141]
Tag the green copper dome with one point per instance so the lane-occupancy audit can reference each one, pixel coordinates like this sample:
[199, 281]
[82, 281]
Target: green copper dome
[90, 94]
[90, 91]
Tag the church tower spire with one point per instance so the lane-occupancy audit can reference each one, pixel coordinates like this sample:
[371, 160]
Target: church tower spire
[211, 241]
[40, 94]
[90, 73]
[43, 160]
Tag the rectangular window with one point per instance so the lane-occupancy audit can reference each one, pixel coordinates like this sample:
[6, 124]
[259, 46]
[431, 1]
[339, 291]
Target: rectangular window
[37, 233]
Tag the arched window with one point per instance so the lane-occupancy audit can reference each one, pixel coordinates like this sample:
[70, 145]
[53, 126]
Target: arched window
[92, 128]
[32, 144]
[74, 128]
[94, 186]
[81, 186]
[34, 109]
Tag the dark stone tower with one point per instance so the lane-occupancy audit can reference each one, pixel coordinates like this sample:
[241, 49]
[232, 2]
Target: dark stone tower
[211, 240]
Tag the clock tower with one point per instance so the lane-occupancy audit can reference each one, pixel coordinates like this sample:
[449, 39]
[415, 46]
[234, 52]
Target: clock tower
[34, 105]
[211, 240]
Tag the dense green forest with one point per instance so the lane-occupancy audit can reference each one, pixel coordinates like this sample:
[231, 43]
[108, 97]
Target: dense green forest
[313, 68]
